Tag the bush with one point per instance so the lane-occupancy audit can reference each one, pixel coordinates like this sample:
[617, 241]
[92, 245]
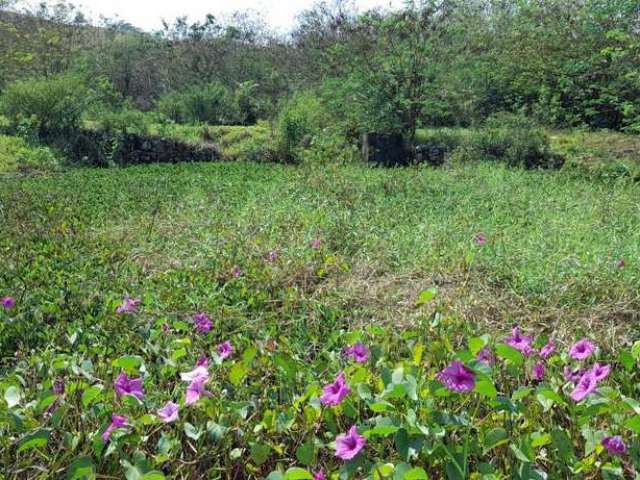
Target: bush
[212, 103]
[47, 108]
[302, 117]
[17, 154]
[515, 139]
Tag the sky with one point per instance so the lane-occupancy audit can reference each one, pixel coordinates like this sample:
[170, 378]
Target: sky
[148, 14]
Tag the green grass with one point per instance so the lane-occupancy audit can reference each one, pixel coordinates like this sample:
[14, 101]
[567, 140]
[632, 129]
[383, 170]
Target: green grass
[554, 240]
[18, 155]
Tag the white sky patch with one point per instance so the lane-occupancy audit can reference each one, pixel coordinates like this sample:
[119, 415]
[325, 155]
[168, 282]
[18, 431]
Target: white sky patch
[148, 14]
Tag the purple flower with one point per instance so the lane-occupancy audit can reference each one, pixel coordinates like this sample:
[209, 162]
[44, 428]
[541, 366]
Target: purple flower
[273, 256]
[128, 386]
[225, 350]
[319, 475]
[600, 372]
[349, 444]
[520, 342]
[585, 387]
[615, 445]
[165, 328]
[334, 393]
[548, 349]
[128, 305]
[202, 322]
[169, 413]
[358, 352]
[572, 375]
[486, 356]
[538, 371]
[457, 378]
[203, 361]
[237, 272]
[316, 244]
[582, 349]
[621, 263]
[480, 239]
[8, 302]
[58, 386]
[117, 421]
[198, 378]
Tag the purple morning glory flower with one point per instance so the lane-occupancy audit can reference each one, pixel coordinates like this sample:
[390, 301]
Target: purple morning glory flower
[600, 372]
[621, 263]
[486, 356]
[335, 392]
[358, 352]
[198, 378]
[615, 445]
[8, 303]
[128, 305]
[573, 375]
[585, 387]
[58, 386]
[538, 371]
[273, 256]
[582, 349]
[457, 378]
[202, 322]
[169, 413]
[548, 349]
[520, 342]
[316, 244]
[117, 421]
[128, 386]
[319, 475]
[349, 444]
[202, 361]
[237, 272]
[480, 239]
[225, 350]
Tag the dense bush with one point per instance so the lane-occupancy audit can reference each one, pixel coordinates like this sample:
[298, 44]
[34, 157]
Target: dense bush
[212, 103]
[17, 154]
[49, 107]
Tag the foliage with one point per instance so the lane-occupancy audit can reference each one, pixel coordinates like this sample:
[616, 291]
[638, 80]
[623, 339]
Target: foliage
[17, 154]
[212, 103]
[50, 107]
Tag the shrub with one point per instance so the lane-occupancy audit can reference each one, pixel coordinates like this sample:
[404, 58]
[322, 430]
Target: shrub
[49, 108]
[17, 154]
[302, 117]
[515, 139]
[212, 103]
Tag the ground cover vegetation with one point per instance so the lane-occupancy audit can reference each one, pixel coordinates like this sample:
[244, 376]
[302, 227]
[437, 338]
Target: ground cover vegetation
[289, 312]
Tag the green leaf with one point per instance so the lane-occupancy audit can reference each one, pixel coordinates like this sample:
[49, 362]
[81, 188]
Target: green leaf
[486, 388]
[494, 438]
[476, 344]
[275, 476]
[191, 431]
[296, 473]
[627, 360]
[416, 474]
[306, 453]
[260, 453]
[153, 475]
[426, 296]
[633, 424]
[90, 395]
[82, 468]
[129, 363]
[238, 373]
[521, 393]
[37, 439]
[381, 431]
[520, 454]
[635, 351]
[507, 352]
[547, 397]
[12, 396]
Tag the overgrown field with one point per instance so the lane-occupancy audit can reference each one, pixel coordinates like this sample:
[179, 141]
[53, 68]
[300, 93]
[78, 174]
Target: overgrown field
[293, 265]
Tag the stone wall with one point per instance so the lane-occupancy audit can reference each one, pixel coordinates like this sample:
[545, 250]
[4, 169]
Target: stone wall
[104, 148]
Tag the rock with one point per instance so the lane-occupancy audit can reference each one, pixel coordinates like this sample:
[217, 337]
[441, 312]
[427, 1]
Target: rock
[384, 149]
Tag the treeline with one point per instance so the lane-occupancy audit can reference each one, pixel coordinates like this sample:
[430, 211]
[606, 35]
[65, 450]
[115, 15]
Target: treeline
[565, 63]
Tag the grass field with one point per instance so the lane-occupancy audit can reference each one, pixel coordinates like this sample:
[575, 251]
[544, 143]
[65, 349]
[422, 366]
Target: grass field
[292, 265]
